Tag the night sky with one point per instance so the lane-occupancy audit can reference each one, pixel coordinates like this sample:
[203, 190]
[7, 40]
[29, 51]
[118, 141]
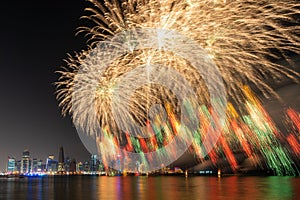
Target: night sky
[35, 37]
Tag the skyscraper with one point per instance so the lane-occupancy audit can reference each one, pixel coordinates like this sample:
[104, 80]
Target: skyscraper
[72, 167]
[86, 166]
[11, 165]
[51, 164]
[61, 160]
[25, 162]
[40, 166]
[79, 167]
[93, 163]
[67, 164]
[34, 165]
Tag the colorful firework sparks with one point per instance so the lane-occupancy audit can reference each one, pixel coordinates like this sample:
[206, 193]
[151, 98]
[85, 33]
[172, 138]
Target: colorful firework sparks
[253, 134]
[240, 38]
[258, 138]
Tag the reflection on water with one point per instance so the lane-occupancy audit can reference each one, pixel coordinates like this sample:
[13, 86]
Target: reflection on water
[88, 187]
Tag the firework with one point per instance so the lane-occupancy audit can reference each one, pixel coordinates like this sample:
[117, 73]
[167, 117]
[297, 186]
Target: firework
[145, 52]
[241, 36]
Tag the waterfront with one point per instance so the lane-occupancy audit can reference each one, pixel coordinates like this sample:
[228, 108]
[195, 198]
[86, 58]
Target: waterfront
[142, 187]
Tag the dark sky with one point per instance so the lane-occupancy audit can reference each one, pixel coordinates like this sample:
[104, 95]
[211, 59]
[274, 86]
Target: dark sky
[35, 37]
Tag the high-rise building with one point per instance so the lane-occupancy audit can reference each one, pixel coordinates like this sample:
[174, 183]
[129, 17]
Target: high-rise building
[86, 166]
[40, 166]
[34, 165]
[79, 167]
[11, 165]
[43, 167]
[67, 164]
[51, 164]
[61, 160]
[25, 162]
[94, 163]
[26, 153]
[72, 167]
[19, 165]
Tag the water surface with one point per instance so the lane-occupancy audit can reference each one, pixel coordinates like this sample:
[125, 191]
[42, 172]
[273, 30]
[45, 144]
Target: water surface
[93, 187]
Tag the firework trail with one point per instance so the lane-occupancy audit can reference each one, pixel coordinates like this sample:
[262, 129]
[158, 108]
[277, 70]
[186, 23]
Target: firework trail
[255, 134]
[240, 38]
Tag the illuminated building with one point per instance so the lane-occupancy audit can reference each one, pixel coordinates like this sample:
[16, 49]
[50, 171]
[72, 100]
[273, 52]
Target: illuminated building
[39, 166]
[86, 166]
[11, 165]
[94, 165]
[34, 165]
[51, 164]
[25, 162]
[79, 167]
[18, 165]
[61, 160]
[67, 164]
[72, 165]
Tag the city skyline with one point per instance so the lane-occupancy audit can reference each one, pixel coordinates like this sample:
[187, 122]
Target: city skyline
[30, 164]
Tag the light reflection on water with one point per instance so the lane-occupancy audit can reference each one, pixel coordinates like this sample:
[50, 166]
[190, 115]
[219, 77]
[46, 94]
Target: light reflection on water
[86, 188]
